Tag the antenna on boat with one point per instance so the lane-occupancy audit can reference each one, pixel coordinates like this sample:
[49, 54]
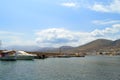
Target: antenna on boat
[0, 44]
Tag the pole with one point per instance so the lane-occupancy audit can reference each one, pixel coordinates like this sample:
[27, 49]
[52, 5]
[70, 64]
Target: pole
[60, 50]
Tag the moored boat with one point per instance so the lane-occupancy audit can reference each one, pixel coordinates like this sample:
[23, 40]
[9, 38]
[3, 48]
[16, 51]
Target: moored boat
[7, 55]
[22, 55]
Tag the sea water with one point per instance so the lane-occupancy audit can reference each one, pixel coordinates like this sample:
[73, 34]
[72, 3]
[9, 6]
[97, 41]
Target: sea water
[81, 68]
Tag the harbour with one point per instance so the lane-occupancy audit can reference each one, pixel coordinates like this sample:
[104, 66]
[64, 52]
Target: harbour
[60, 40]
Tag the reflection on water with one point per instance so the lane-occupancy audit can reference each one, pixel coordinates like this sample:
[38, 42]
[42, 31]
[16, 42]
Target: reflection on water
[84, 68]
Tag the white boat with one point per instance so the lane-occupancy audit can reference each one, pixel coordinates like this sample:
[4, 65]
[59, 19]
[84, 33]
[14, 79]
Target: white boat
[22, 55]
[7, 55]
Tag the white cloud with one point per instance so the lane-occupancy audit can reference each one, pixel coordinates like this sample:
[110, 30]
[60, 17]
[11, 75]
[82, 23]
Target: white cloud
[107, 32]
[60, 37]
[105, 22]
[113, 7]
[70, 4]
[99, 7]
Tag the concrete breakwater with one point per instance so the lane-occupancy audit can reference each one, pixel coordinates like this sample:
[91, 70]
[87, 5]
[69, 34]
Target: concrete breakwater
[42, 55]
[22, 55]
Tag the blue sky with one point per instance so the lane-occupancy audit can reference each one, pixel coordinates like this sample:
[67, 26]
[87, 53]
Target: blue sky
[56, 23]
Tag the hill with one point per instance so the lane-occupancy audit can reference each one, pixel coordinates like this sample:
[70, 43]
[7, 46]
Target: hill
[96, 45]
[116, 43]
[99, 45]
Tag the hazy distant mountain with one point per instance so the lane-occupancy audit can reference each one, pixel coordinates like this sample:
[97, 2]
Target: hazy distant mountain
[25, 48]
[31, 48]
[62, 49]
[48, 49]
[66, 47]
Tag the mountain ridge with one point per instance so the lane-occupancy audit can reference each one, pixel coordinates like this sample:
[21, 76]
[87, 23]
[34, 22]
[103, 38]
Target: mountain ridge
[97, 45]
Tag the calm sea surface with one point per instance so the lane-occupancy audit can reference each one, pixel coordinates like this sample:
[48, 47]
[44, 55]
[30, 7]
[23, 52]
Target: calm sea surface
[86, 68]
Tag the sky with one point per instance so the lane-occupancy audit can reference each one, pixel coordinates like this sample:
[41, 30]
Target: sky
[54, 23]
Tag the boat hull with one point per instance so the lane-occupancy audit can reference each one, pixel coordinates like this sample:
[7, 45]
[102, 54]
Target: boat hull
[25, 57]
[8, 58]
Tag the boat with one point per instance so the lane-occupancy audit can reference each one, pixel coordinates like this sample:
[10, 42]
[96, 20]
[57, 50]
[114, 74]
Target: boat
[22, 55]
[79, 54]
[63, 56]
[7, 55]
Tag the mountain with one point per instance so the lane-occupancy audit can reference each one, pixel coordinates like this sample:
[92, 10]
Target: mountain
[37, 48]
[99, 45]
[66, 47]
[116, 43]
[24, 48]
[31, 48]
[61, 49]
[96, 45]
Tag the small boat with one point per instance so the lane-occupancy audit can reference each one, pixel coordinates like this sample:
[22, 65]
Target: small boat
[63, 56]
[22, 55]
[79, 54]
[7, 55]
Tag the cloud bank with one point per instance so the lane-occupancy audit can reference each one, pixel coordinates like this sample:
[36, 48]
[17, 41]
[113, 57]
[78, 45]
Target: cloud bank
[59, 36]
